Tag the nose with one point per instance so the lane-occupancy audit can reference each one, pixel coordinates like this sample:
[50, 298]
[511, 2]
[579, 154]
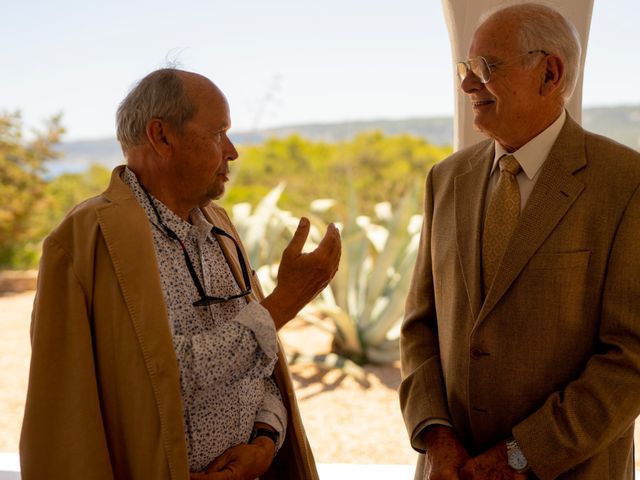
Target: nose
[230, 150]
[471, 83]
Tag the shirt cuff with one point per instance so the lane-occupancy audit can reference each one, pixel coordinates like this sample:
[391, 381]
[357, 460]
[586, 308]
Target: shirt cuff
[257, 319]
[273, 412]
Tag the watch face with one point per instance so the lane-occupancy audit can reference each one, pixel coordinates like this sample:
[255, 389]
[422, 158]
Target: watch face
[517, 460]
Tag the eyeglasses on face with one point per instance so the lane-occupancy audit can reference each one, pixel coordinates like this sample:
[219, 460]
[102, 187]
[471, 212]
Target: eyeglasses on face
[204, 300]
[482, 69]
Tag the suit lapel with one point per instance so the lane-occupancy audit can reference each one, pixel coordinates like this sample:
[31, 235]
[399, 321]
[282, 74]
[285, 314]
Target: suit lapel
[470, 190]
[554, 193]
[127, 234]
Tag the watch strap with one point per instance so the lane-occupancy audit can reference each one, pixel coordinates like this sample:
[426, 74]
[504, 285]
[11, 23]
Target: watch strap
[265, 432]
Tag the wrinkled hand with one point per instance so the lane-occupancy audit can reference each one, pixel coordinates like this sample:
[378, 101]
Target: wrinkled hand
[242, 462]
[490, 465]
[302, 276]
[445, 454]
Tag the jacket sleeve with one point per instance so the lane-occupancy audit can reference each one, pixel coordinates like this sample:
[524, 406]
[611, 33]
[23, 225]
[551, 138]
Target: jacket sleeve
[62, 432]
[594, 410]
[422, 392]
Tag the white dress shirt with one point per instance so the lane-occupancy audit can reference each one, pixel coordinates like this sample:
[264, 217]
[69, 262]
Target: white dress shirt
[531, 156]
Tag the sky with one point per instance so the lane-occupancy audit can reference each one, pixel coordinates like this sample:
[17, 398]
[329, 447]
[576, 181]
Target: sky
[279, 62]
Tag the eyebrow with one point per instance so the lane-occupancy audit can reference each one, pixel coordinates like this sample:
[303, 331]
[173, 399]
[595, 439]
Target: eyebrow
[488, 58]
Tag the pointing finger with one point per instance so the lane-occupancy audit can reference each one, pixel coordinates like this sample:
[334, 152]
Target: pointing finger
[299, 237]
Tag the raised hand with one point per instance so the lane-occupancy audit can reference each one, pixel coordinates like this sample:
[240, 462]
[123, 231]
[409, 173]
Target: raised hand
[302, 276]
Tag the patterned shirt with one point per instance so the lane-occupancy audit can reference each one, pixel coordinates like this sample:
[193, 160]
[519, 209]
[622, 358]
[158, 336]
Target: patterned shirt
[226, 352]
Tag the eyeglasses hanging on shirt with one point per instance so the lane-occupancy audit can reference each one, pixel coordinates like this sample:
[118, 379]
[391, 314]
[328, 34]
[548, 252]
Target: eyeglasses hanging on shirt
[205, 300]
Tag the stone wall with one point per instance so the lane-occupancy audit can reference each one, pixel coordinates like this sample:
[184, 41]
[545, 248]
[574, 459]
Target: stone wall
[15, 281]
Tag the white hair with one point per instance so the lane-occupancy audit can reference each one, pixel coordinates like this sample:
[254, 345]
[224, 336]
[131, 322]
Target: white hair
[544, 28]
[160, 94]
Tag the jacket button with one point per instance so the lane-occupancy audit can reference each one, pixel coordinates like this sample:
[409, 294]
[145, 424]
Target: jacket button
[476, 353]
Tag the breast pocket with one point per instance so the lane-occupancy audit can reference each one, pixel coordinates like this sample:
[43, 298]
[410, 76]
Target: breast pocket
[566, 260]
[557, 284]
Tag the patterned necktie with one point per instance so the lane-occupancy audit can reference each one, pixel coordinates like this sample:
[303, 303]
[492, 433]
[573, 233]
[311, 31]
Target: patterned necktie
[501, 219]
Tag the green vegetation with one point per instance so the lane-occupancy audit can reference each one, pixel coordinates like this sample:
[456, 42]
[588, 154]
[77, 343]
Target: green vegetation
[374, 167]
[364, 303]
[366, 298]
[31, 206]
[370, 186]
[22, 188]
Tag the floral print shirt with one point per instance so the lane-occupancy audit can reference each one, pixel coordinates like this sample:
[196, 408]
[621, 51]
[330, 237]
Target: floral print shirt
[226, 352]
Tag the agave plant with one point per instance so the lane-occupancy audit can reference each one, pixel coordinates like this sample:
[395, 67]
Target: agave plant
[265, 231]
[366, 298]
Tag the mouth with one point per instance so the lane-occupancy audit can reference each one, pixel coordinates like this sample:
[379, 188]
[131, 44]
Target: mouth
[481, 103]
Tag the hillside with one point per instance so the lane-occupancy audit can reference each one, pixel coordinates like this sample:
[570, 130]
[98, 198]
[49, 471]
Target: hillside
[621, 123]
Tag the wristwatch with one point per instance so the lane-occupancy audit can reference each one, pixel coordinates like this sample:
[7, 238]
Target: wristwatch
[265, 432]
[515, 457]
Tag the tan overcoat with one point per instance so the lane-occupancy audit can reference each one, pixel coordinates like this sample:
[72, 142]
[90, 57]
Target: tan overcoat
[552, 355]
[104, 393]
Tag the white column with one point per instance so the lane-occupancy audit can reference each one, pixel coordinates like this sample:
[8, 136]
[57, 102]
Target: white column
[462, 19]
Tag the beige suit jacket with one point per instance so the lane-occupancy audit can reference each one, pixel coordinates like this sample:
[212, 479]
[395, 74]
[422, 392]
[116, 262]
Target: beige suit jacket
[552, 354]
[104, 396]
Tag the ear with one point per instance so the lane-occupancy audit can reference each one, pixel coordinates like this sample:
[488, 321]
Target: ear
[159, 137]
[552, 75]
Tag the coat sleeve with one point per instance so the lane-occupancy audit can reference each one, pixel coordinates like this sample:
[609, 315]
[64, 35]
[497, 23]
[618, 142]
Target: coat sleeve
[62, 432]
[594, 410]
[422, 391]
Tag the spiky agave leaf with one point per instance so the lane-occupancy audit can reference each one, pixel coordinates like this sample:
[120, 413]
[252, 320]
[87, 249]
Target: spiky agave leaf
[366, 299]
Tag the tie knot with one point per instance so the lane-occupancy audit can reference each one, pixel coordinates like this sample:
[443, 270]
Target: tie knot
[509, 164]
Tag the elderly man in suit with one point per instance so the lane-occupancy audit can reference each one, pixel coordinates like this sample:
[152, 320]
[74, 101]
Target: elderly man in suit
[520, 347]
[155, 355]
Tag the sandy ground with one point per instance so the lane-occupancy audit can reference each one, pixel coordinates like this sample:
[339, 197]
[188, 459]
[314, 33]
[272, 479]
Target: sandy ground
[347, 421]
[15, 350]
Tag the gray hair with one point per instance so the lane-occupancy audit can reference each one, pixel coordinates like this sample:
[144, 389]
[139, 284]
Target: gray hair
[161, 94]
[544, 28]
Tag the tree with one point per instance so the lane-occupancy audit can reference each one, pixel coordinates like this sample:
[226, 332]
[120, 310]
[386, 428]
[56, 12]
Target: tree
[64, 192]
[22, 185]
[373, 166]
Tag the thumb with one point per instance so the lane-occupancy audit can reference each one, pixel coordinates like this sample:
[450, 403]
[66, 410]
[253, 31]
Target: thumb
[218, 464]
[299, 237]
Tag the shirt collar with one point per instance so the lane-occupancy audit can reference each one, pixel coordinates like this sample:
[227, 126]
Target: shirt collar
[532, 154]
[201, 225]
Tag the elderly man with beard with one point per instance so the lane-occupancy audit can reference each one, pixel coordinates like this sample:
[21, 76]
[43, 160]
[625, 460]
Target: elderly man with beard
[155, 354]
